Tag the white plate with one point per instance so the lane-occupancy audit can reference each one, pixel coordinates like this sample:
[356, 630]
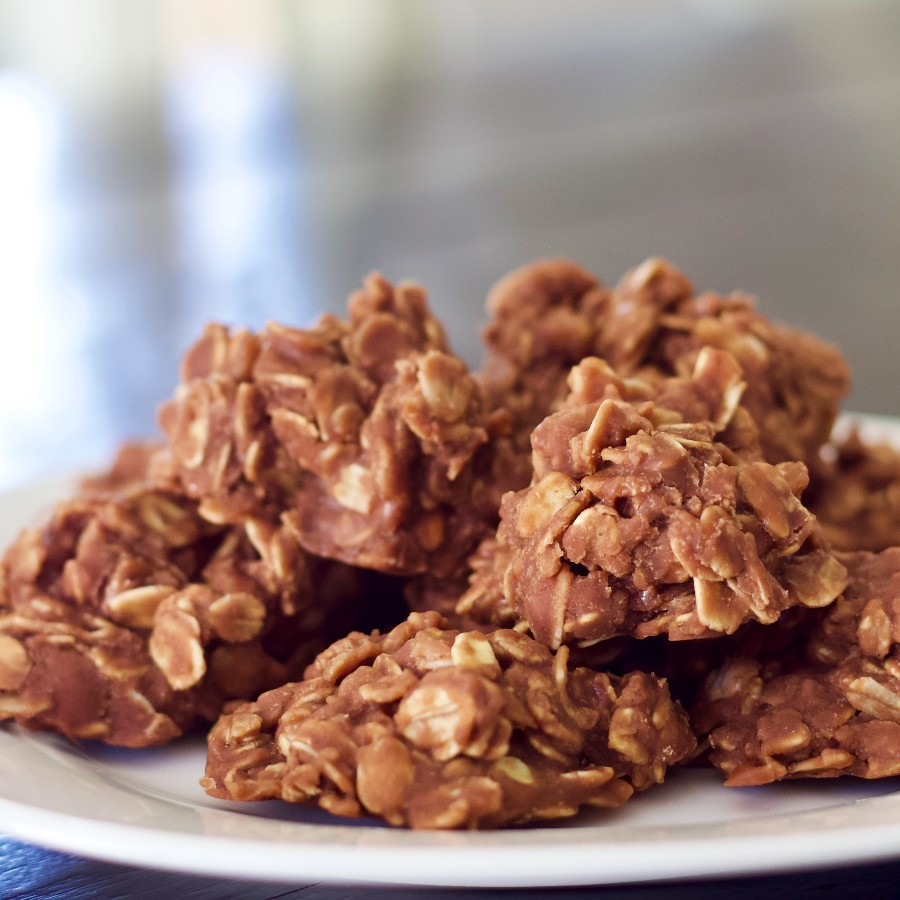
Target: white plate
[145, 808]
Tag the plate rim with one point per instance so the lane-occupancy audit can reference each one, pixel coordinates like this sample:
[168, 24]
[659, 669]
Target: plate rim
[294, 862]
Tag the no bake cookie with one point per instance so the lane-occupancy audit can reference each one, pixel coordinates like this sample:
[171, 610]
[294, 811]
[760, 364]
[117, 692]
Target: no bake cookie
[431, 727]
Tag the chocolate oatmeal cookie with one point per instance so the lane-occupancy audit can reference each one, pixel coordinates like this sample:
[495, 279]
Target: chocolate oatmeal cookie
[547, 316]
[649, 516]
[431, 727]
[829, 704]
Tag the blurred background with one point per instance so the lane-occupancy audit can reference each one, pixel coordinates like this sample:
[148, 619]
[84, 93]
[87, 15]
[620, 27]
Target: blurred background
[166, 163]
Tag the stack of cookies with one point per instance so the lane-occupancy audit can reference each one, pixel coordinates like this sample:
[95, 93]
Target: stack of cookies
[395, 587]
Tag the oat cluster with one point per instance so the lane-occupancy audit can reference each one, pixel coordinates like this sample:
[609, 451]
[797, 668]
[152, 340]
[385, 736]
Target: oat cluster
[457, 599]
[130, 618]
[826, 704]
[431, 727]
[652, 516]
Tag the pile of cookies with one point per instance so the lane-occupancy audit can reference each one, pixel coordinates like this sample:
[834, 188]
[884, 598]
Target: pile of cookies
[455, 599]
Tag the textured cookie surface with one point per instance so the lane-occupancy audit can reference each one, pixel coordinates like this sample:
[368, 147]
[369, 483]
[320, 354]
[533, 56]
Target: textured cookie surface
[435, 728]
[827, 704]
[651, 511]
